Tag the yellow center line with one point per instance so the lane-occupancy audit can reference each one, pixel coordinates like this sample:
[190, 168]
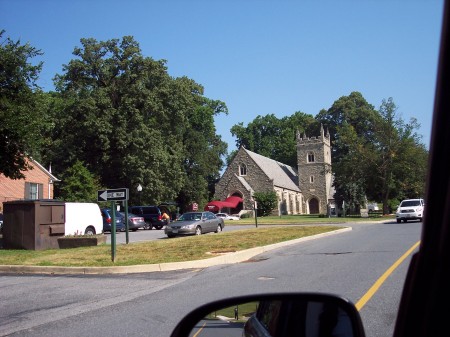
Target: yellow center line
[368, 295]
[199, 330]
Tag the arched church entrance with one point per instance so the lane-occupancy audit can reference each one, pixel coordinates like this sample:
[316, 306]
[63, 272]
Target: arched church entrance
[239, 206]
[313, 205]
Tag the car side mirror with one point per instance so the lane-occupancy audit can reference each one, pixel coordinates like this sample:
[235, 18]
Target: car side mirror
[276, 315]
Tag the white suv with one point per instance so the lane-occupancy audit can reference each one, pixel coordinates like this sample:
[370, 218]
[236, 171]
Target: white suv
[410, 209]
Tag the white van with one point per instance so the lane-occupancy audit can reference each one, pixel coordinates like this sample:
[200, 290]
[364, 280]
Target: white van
[82, 218]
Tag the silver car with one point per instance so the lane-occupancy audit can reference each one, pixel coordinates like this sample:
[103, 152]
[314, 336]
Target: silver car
[195, 223]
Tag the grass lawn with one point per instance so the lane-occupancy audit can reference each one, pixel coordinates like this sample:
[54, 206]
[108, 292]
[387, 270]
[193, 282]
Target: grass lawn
[179, 249]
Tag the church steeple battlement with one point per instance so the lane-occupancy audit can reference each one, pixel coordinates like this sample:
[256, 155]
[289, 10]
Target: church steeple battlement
[323, 138]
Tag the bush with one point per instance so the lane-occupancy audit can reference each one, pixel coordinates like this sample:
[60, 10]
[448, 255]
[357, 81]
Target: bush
[267, 202]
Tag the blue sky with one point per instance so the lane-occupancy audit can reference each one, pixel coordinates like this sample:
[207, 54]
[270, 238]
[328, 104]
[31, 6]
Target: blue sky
[259, 57]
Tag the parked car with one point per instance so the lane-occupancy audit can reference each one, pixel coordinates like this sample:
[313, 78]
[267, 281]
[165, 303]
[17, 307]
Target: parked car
[227, 216]
[151, 214]
[107, 220]
[410, 209]
[372, 207]
[134, 221]
[195, 223]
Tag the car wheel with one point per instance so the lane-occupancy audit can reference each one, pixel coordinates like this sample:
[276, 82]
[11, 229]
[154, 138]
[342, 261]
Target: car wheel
[198, 230]
[147, 226]
[405, 221]
[158, 227]
[170, 236]
[219, 229]
[398, 220]
[90, 231]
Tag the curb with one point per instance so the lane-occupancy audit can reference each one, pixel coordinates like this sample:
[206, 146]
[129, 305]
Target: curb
[228, 258]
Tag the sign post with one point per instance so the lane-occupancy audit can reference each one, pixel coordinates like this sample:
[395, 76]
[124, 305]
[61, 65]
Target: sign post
[113, 196]
[255, 209]
[127, 225]
[113, 231]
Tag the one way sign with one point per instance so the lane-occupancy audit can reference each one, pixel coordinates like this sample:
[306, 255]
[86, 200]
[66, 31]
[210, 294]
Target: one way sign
[117, 194]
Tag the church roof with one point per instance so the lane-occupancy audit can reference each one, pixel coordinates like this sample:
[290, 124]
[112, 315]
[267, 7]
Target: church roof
[283, 175]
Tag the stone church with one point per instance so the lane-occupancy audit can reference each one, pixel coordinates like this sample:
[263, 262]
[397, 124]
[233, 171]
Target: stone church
[304, 190]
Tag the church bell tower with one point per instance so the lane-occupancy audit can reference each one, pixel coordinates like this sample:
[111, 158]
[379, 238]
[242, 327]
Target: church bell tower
[314, 172]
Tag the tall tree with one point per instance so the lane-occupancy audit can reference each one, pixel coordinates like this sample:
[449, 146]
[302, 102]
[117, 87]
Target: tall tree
[401, 160]
[131, 123]
[376, 155]
[79, 185]
[203, 149]
[22, 118]
[272, 137]
[350, 121]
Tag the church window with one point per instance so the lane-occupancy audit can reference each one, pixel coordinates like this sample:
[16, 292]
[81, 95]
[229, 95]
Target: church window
[311, 179]
[242, 170]
[310, 157]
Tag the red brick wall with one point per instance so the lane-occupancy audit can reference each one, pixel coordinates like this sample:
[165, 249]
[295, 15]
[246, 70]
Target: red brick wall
[15, 189]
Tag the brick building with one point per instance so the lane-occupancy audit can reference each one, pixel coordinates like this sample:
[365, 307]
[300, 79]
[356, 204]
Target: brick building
[38, 184]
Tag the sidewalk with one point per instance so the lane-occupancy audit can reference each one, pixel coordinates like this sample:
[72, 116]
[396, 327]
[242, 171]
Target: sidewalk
[228, 258]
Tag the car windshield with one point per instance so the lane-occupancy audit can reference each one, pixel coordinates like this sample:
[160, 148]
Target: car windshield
[280, 115]
[409, 203]
[190, 217]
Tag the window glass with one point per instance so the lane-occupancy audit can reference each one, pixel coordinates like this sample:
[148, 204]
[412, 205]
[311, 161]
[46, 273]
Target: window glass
[33, 191]
[410, 203]
[150, 210]
[268, 315]
[242, 170]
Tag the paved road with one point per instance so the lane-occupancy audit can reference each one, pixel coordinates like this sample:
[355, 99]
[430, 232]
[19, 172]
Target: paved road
[150, 304]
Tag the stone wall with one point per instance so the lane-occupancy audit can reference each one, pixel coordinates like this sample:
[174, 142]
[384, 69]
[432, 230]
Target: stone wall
[255, 177]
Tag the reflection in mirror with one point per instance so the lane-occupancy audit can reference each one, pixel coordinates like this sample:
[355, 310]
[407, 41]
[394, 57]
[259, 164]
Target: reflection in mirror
[312, 315]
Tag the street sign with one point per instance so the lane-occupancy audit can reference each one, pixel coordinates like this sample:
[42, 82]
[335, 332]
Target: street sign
[111, 195]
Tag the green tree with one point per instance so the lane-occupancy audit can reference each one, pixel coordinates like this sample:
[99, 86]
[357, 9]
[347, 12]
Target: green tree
[267, 202]
[131, 123]
[203, 148]
[376, 155]
[399, 159]
[351, 123]
[274, 138]
[350, 171]
[22, 118]
[78, 184]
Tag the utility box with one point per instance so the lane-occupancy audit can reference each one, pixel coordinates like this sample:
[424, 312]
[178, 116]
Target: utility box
[33, 224]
